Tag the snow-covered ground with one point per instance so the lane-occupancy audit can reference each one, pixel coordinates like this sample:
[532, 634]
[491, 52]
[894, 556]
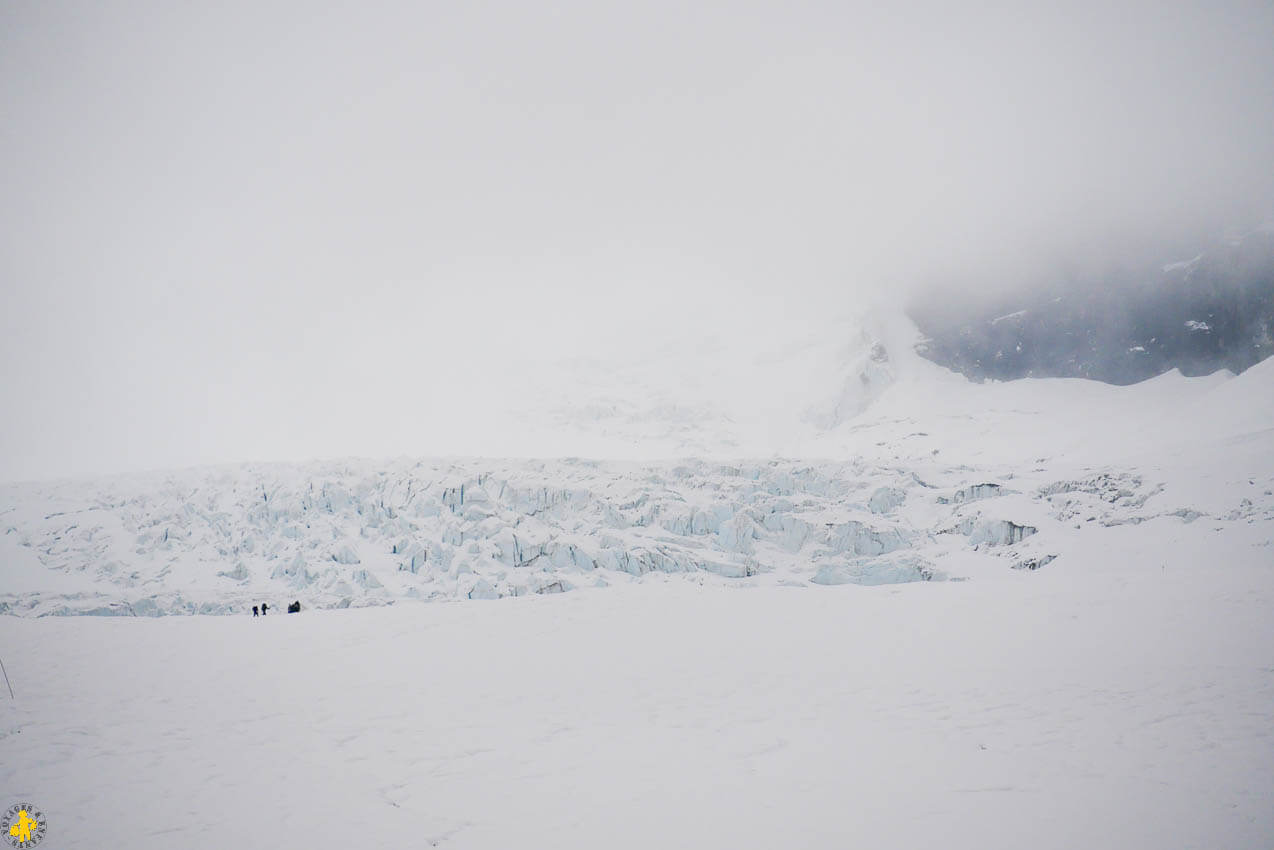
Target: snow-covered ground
[902, 610]
[936, 479]
[1120, 701]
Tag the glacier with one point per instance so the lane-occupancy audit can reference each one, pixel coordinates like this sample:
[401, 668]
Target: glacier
[975, 611]
[937, 478]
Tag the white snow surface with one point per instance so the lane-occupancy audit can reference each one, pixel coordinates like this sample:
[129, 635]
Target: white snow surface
[877, 497]
[930, 613]
[1120, 701]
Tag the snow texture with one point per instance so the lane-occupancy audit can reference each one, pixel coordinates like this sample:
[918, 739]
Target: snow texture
[705, 653]
[975, 479]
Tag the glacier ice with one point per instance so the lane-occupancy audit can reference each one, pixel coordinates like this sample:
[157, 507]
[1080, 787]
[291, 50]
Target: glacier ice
[1000, 532]
[356, 533]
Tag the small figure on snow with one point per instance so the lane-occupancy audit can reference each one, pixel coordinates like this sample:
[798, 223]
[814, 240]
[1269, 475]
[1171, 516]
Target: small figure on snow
[295, 607]
[264, 608]
[254, 611]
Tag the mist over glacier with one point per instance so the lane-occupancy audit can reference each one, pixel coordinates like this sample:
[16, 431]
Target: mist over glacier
[711, 424]
[339, 231]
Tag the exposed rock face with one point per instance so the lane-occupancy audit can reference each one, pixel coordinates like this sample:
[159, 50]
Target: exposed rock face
[1214, 311]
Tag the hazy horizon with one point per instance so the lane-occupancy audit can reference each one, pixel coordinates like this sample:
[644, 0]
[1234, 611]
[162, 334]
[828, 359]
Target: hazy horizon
[275, 231]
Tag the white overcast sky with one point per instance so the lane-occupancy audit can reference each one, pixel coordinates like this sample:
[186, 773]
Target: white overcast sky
[254, 230]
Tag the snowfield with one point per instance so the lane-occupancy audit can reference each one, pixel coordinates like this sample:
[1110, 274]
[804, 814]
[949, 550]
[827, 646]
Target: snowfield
[1027, 614]
[937, 479]
[1115, 703]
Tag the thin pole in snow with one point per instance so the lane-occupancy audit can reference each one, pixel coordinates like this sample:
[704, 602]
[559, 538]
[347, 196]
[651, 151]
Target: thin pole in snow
[6, 680]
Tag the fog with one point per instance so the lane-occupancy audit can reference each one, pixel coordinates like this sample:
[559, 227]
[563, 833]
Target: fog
[253, 231]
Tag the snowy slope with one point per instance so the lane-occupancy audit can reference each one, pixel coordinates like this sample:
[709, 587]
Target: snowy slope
[929, 478]
[693, 658]
[1119, 701]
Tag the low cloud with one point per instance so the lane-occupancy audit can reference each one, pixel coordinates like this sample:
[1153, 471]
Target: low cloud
[250, 232]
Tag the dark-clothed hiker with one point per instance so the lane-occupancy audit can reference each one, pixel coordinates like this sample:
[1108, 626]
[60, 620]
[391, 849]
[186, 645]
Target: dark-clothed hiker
[295, 607]
[254, 611]
[264, 608]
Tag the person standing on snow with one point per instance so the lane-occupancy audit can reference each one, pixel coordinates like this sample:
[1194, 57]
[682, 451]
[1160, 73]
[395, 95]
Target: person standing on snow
[254, 611]
[264, 608]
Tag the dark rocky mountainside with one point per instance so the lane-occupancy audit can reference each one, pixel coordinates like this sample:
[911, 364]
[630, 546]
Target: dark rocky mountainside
[1215, 311]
